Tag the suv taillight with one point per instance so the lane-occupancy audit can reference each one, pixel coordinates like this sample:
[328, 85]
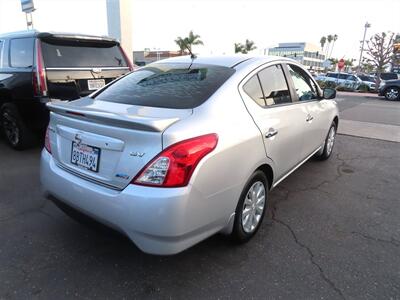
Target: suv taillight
[47, 144]
[174, 166]
[128, 61]
[39, 75]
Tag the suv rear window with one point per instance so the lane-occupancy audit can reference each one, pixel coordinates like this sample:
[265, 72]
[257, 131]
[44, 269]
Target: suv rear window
[62, 53]
[168, 85]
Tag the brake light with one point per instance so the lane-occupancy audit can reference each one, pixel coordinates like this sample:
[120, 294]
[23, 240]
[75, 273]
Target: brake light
[47, 144]
[39, 76]
[128, 61]
[174, 166]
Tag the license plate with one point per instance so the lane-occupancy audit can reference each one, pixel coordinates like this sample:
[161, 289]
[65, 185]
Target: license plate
[85, 156]
[95, 84]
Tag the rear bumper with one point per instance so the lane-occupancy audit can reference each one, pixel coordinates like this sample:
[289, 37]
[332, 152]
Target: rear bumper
[158, 221]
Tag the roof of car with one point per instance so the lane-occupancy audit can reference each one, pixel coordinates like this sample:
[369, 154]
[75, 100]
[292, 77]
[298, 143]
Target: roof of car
[49, 34]
[221, 60]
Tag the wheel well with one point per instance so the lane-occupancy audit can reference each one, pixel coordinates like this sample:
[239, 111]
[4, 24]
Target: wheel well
[336, 120]
[267, 170]
[391, 86]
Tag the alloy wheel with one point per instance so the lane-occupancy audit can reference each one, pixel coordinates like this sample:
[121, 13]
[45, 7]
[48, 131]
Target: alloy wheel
[392, 94]
[331, 140]
[253, 207]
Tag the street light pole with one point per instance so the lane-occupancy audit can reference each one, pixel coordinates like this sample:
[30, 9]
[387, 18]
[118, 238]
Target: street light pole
[366, 26]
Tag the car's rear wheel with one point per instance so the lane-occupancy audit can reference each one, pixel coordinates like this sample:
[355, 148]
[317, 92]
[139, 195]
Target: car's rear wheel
[327, 149]
[15, 131]
[392, 93]
[251, 208]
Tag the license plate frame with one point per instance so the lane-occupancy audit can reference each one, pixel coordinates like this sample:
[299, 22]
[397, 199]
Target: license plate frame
[92, 151]
[95, 84]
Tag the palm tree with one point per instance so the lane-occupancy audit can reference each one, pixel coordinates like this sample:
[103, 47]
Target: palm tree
[238, 48]
[188, 42]
[330, 39]
[249, 45]
[335, 37]
[322, 41]
[181, 44]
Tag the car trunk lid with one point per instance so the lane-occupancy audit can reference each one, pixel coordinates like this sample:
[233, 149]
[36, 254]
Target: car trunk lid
[117, 139]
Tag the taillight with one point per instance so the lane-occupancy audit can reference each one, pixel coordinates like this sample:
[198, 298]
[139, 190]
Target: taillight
[128, 61]
[39, 76]
[47, 141]
[174, 166]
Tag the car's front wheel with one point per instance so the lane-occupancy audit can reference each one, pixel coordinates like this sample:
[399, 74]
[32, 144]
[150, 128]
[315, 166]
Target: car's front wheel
[392, 93]
[326, 151]
[15, 131]
[251, 208]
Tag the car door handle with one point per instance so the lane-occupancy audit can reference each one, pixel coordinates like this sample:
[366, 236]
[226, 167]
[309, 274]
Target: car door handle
[271, 132]
[309, 118]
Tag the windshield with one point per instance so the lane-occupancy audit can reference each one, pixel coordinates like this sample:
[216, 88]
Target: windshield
[169, 85]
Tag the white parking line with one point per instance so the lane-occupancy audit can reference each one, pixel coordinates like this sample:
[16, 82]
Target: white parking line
[370, 130]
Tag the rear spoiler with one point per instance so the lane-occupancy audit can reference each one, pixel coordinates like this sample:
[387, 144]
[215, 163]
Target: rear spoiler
[76, 37]
[126, 121]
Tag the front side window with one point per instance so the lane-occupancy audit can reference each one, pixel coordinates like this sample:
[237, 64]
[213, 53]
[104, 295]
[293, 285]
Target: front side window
[167, 85]
[274, 85]
[21, 53]
[305, 87]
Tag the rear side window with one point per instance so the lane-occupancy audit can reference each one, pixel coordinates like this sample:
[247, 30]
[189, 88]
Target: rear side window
[332, 75]
[61, 53]
[253, 89]
[274, 85]
[21, 53]
[168, 85]
[343, 76]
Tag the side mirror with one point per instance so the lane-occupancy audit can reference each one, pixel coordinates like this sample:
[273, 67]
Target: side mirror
[329, 93]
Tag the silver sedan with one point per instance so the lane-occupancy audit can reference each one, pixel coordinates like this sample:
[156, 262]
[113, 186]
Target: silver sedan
[183, 148]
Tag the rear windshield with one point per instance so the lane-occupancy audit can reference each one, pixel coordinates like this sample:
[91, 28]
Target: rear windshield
[168, 85]
[82, 54]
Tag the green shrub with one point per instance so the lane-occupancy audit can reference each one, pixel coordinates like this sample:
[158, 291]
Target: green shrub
[363, 88]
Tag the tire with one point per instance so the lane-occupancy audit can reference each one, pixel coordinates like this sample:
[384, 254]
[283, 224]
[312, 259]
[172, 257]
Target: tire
[14, 129]
[392, 93]
[246, 226]
[328, 144]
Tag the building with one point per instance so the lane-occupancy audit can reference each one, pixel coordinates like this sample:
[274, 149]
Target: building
[307, 54]
[142, 58]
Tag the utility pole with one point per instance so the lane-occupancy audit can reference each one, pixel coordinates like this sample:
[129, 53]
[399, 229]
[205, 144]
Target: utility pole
[366, 26]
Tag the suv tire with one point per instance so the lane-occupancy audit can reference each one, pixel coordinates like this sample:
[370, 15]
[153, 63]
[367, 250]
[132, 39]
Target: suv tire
[15, 131]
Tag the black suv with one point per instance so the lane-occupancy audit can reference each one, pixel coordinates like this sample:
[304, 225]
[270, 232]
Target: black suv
[38, 67]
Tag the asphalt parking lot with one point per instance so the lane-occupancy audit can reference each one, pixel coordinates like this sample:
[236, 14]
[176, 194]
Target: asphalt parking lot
[333, 232]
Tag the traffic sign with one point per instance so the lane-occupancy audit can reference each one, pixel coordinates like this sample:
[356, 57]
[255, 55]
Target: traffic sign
[341, 64]
[27, 6]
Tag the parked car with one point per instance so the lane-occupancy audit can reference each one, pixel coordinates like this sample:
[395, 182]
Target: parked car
[187, 147]
[390, 89]
[38, 66]
[347, 80]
